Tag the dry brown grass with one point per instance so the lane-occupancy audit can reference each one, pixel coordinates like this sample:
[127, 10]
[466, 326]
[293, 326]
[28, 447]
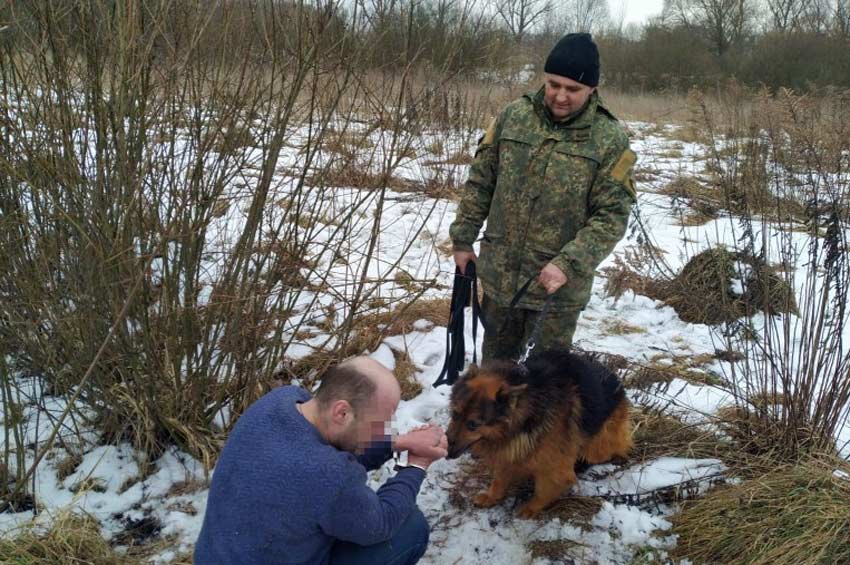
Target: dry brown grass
[405, 372]
[358, 176]
[645, 174]
[577, 510]
[624, 275]
[348, 144]
[445, 248]
[369, 330]
[658, 108]
[436, 147]
[230, 141]
[795, 514]
[621, 327]
[702, 291]
[685, 186]
[89, 484]
[147, 552]
[555, 550]
[401, 319]
[71, 540]
[761, 439]
[460, 158]
[661, 369]
[657, 434]
[695, 219]
[645, 378]
[703, 201]
[666, 367]
[68, 465]
[653, 108]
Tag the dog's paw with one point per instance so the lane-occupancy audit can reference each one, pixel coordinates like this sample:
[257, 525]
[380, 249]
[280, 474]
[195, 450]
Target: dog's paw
[485, 500]
[528, 511]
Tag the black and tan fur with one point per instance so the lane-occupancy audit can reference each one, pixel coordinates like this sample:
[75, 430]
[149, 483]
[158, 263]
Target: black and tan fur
[539, 422]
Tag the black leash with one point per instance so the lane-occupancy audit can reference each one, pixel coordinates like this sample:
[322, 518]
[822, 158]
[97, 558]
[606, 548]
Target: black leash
[464, 292]
[538, 323]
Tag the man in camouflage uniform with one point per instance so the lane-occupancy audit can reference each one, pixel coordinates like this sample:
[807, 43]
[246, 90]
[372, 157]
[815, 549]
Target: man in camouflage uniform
[552, 177]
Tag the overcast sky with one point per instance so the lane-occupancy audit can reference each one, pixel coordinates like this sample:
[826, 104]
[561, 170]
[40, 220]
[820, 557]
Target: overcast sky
[636, 11]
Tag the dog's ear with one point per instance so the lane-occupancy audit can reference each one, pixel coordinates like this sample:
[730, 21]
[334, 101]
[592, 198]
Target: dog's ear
[510, 394]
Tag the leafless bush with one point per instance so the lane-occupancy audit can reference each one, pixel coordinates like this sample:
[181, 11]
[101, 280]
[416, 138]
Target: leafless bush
[784, 176]
[169, 222]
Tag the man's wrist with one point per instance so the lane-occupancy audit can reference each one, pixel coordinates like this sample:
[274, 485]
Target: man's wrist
[402, 461]
[458, 246]
[409, 465]
[562, 262]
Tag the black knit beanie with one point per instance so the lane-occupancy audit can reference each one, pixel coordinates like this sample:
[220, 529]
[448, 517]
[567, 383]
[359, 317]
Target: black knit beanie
[575, 56]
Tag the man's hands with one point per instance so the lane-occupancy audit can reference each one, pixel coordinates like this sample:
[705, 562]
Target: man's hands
[464, 257]
[551, 278]
[424, 445]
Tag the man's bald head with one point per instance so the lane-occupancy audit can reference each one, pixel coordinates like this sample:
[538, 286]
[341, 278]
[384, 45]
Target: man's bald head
[359, 381]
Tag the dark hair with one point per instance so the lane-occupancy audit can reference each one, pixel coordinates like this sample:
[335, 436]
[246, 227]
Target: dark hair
[345, 382]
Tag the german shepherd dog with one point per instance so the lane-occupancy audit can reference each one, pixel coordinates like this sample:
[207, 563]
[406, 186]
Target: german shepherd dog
[539, 421]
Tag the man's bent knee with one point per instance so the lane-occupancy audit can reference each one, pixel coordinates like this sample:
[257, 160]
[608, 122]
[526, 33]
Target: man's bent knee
[406, 547]
[420, 530]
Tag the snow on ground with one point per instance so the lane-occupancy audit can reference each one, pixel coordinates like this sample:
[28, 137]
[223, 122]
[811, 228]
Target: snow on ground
[495, 536]
[175, 494]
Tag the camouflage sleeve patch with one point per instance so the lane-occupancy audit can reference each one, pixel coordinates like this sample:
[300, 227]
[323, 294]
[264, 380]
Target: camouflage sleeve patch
[623, 165]
[490, 136]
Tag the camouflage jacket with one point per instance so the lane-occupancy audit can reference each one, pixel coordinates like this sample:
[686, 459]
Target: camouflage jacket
[557, 192]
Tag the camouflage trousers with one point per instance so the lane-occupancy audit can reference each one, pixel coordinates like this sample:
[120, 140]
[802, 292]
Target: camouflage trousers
[511, 328]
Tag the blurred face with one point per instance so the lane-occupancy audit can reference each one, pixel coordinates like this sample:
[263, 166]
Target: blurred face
[355, 431]
[564, 96]
[371, 425]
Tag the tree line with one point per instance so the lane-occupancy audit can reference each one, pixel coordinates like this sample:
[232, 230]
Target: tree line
[802, 44]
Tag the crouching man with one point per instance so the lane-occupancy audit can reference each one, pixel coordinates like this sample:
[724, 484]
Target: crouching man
[290, 486]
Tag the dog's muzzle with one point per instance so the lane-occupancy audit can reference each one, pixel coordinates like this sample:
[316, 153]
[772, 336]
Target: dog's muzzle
[456, 450]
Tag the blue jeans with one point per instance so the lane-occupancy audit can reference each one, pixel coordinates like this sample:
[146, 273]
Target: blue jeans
[406, 547]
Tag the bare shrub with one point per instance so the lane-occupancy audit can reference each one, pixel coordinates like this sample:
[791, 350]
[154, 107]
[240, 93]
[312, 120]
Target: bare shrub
[173, 216]
[777, 293]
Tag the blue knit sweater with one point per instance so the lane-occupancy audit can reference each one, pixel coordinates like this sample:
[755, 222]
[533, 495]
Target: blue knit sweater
[281, 494]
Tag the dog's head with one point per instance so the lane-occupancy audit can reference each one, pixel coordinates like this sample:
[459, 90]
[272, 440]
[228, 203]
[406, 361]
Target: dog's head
[483, 404]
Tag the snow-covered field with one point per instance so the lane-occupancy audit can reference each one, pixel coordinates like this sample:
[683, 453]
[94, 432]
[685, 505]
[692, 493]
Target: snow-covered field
[624, 527]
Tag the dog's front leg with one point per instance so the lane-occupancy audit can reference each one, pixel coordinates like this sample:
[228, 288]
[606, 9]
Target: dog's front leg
[548, 486]
[503, 476]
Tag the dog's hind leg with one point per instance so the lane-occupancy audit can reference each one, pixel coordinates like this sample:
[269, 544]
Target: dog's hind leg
[549, 485]
[503, 477]
[614, 440]
[553, 469]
